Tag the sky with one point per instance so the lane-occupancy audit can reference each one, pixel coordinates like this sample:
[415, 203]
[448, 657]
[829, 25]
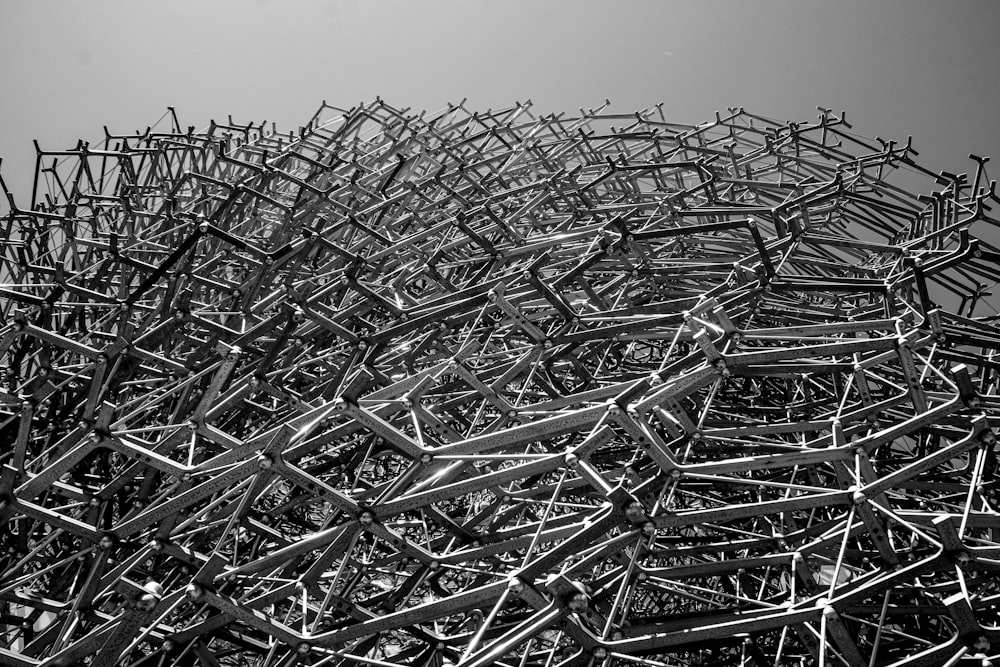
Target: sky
[898, 67]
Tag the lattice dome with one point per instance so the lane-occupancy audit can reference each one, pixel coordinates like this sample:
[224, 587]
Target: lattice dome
[482, 388]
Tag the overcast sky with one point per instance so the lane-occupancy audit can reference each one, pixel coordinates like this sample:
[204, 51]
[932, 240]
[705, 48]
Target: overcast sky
[903, 67]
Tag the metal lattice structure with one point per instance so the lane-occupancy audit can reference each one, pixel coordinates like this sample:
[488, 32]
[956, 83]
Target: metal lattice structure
[499, 388]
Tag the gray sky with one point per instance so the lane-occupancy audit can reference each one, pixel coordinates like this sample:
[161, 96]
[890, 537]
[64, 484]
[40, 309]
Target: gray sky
[898, 67]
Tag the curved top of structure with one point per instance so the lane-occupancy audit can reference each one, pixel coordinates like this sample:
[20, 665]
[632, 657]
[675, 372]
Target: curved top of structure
[492, 388]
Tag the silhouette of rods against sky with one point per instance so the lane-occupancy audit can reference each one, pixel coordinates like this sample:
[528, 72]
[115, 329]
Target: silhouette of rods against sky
[917, 68]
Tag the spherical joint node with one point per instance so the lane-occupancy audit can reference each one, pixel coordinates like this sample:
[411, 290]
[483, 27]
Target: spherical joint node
[635, 513]
[857, 495]
[265, 462]
[146, 602]
[578, 602]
